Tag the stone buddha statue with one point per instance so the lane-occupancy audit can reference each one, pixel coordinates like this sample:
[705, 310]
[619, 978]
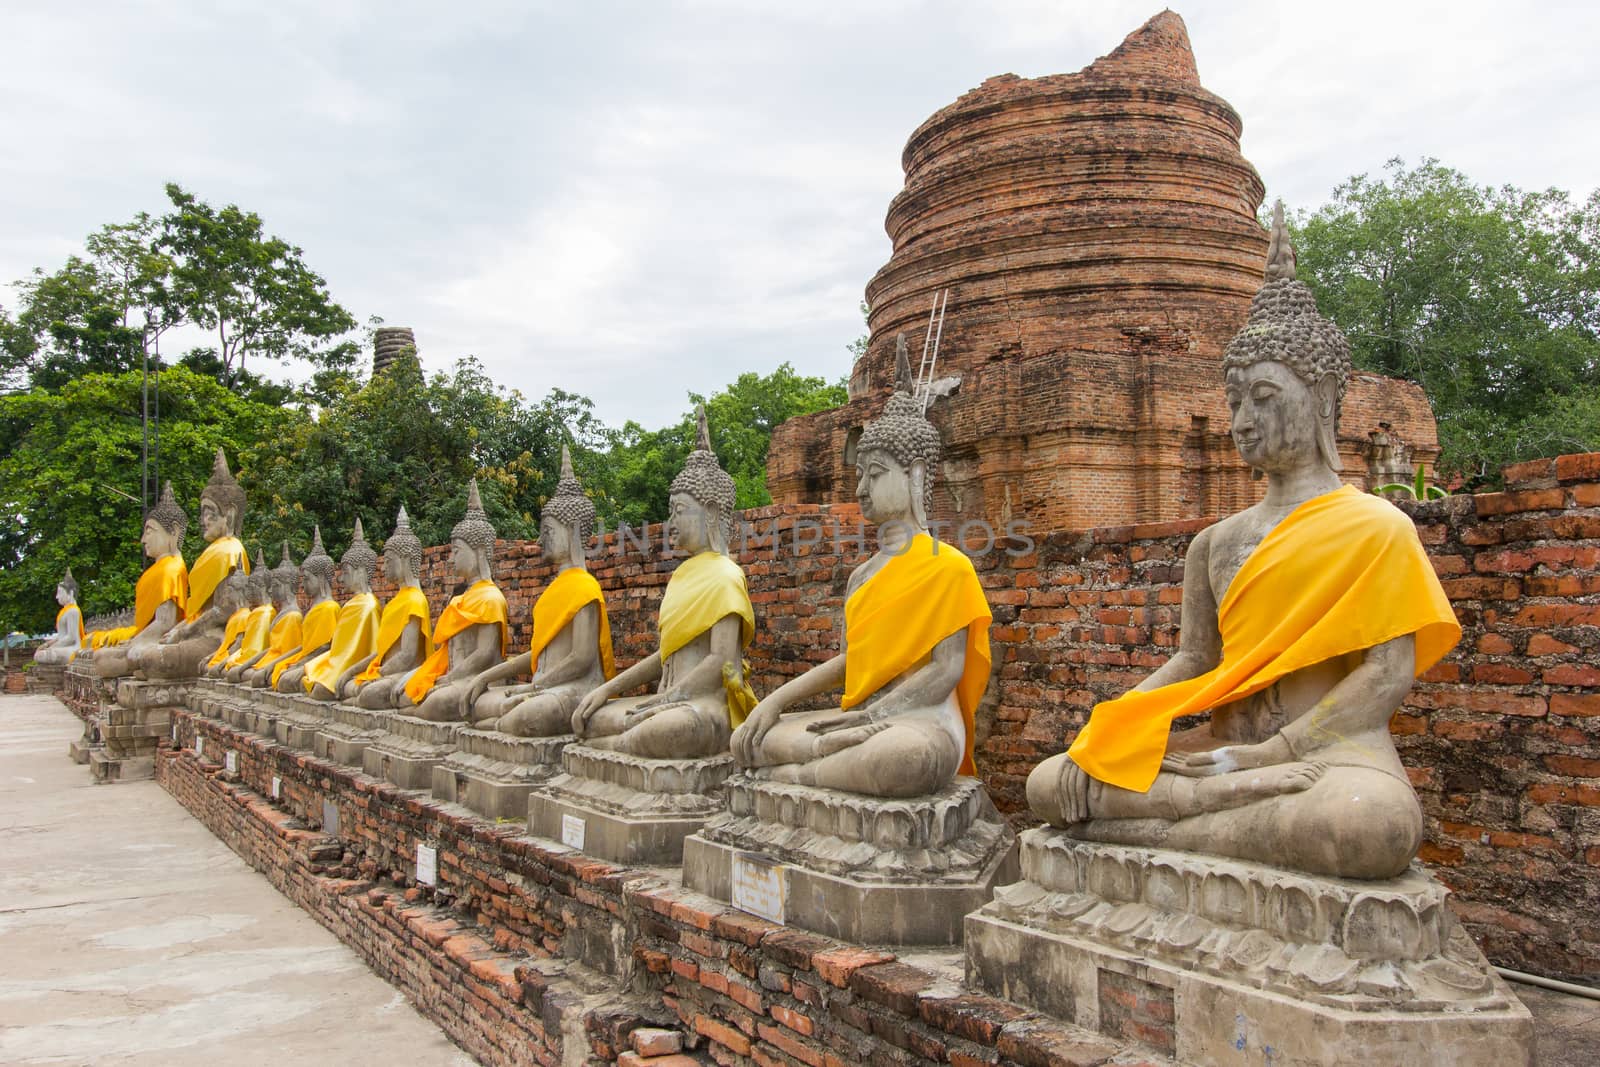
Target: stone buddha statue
[404, 630]
[570, 653]
[316, 629]
[1305, 620]
[355, 634]
[914, 657]
[257, 623]
[180, 653]
[283, 584]
[232, 597]
[471, 633]
[69, 635]
[160, 596]
[705, 622]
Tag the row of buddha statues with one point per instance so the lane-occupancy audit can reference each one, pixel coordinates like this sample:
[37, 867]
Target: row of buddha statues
[1305, 619]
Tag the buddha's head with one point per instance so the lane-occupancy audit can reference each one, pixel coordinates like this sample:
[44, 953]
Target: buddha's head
[358, 562]
[703, 498]
[164, 527]
[285, 581]
[221, 503]
[316, 573]
[402, 553]
[567, 521]
[472, 540]
[67, 589]
[257, 586]
[233, 593]
[897, 457]
[1285, 373]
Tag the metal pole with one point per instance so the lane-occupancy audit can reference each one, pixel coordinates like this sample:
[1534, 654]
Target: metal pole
[158, 414]
[144, 460]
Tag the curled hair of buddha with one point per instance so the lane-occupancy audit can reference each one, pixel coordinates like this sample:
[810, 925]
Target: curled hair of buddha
[318, 562]
[70, 584]
[903, 431]
[286, 576]
[704, 479]
[168, 515]
[360, 554]
[403, 543]
[1285, 325]
[260, 576]
[569, 505]
[223, 491]
[474, 527]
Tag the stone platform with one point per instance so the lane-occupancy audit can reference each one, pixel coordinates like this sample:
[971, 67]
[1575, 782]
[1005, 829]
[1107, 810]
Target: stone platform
[1219, 963]
[348, 731]
[298, 720]
[409, 749]
[628, 809]
[859, 868]
[133, 728]
[494, 773]
[87, 695]
[46, 679]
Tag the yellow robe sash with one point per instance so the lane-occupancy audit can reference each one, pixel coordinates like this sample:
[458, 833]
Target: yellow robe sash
[256, 629]
[354, 637]
[63, 614]
[897, 616]
[572, 590]
[284, 637]
[481, 604]
[407, 604]
[233, 631]
[316, 630]
[703, 591]
[165, 579]
[1341, 573]
[220, 558]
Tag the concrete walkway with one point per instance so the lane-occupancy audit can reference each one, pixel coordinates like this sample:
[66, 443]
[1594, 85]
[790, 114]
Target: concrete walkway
[130, 935]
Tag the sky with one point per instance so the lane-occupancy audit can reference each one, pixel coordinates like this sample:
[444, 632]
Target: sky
[633, 201]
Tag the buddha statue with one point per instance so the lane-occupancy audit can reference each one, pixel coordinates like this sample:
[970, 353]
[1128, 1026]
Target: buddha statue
[283, 586]
[1305, 620]
[914, 658]
[180, 653]
[404, 630]
[356, 632]
[471, 633]
[570, 652]
[705, 622]
[69, 635]
[231, 596]
[316, 629]
[159, 598]
[257, 623]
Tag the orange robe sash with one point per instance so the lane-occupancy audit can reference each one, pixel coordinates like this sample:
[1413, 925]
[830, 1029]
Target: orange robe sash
[316, 630]
[407, 604]
[482, 604]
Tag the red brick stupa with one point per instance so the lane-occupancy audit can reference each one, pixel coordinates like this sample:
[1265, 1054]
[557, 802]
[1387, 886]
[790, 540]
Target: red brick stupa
[1097, 233]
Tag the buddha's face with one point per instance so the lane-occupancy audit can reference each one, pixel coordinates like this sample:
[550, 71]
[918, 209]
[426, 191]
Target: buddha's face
[464, 558]
[1275, 416]
[230, 598]
[555, 540]
[282, 590]
[884, 488]
[316, 586]
[689, 524]
[157, 540]
[397, 567]
[62, 596]
[214, 522]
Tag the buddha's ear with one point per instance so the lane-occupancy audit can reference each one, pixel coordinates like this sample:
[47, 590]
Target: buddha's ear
[1327, 401]
[919, 490]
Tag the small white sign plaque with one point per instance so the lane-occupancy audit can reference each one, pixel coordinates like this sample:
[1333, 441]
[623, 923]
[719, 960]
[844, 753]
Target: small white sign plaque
[174, 731]
[277, 787]
[758, 886]
[427, 864]
[232, 762]
[572, 831]
[199, 745]
[330, 818]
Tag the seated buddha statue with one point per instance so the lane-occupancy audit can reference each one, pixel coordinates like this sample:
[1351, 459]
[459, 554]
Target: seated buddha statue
[914, 657]
[257, 623]
[1305, 620]
[69, 635]
[159, 598]
[471, 633]
[316, 629]
[404, 629]
[704, 624]
[570, 652]
[356, 630]
[232, 596]
[182, 651]
[283, 585]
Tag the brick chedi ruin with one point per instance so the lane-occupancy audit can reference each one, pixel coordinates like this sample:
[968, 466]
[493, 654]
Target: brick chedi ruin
[1097, 233]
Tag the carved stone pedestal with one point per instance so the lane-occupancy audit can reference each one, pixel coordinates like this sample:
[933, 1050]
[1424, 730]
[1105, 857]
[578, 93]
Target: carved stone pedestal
[349, 731]
[46, 678]
[87, 695]
[628, 809]
[494, 773]
[858, 868]
[409, 749]
[1217, 962]
[298, 721]
[133, 729]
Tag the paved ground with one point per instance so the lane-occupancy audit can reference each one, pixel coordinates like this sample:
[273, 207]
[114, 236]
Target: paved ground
[130, 935]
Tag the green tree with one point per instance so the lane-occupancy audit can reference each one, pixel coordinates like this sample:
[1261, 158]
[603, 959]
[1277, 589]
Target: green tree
[70, 480]
[254, 291]
[1487, 298]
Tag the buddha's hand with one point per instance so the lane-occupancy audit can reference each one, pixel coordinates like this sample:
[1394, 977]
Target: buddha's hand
[474, 691]
[747, 739]
[593, 702]
[641, 712]
[1268, 753]
[845, 720]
